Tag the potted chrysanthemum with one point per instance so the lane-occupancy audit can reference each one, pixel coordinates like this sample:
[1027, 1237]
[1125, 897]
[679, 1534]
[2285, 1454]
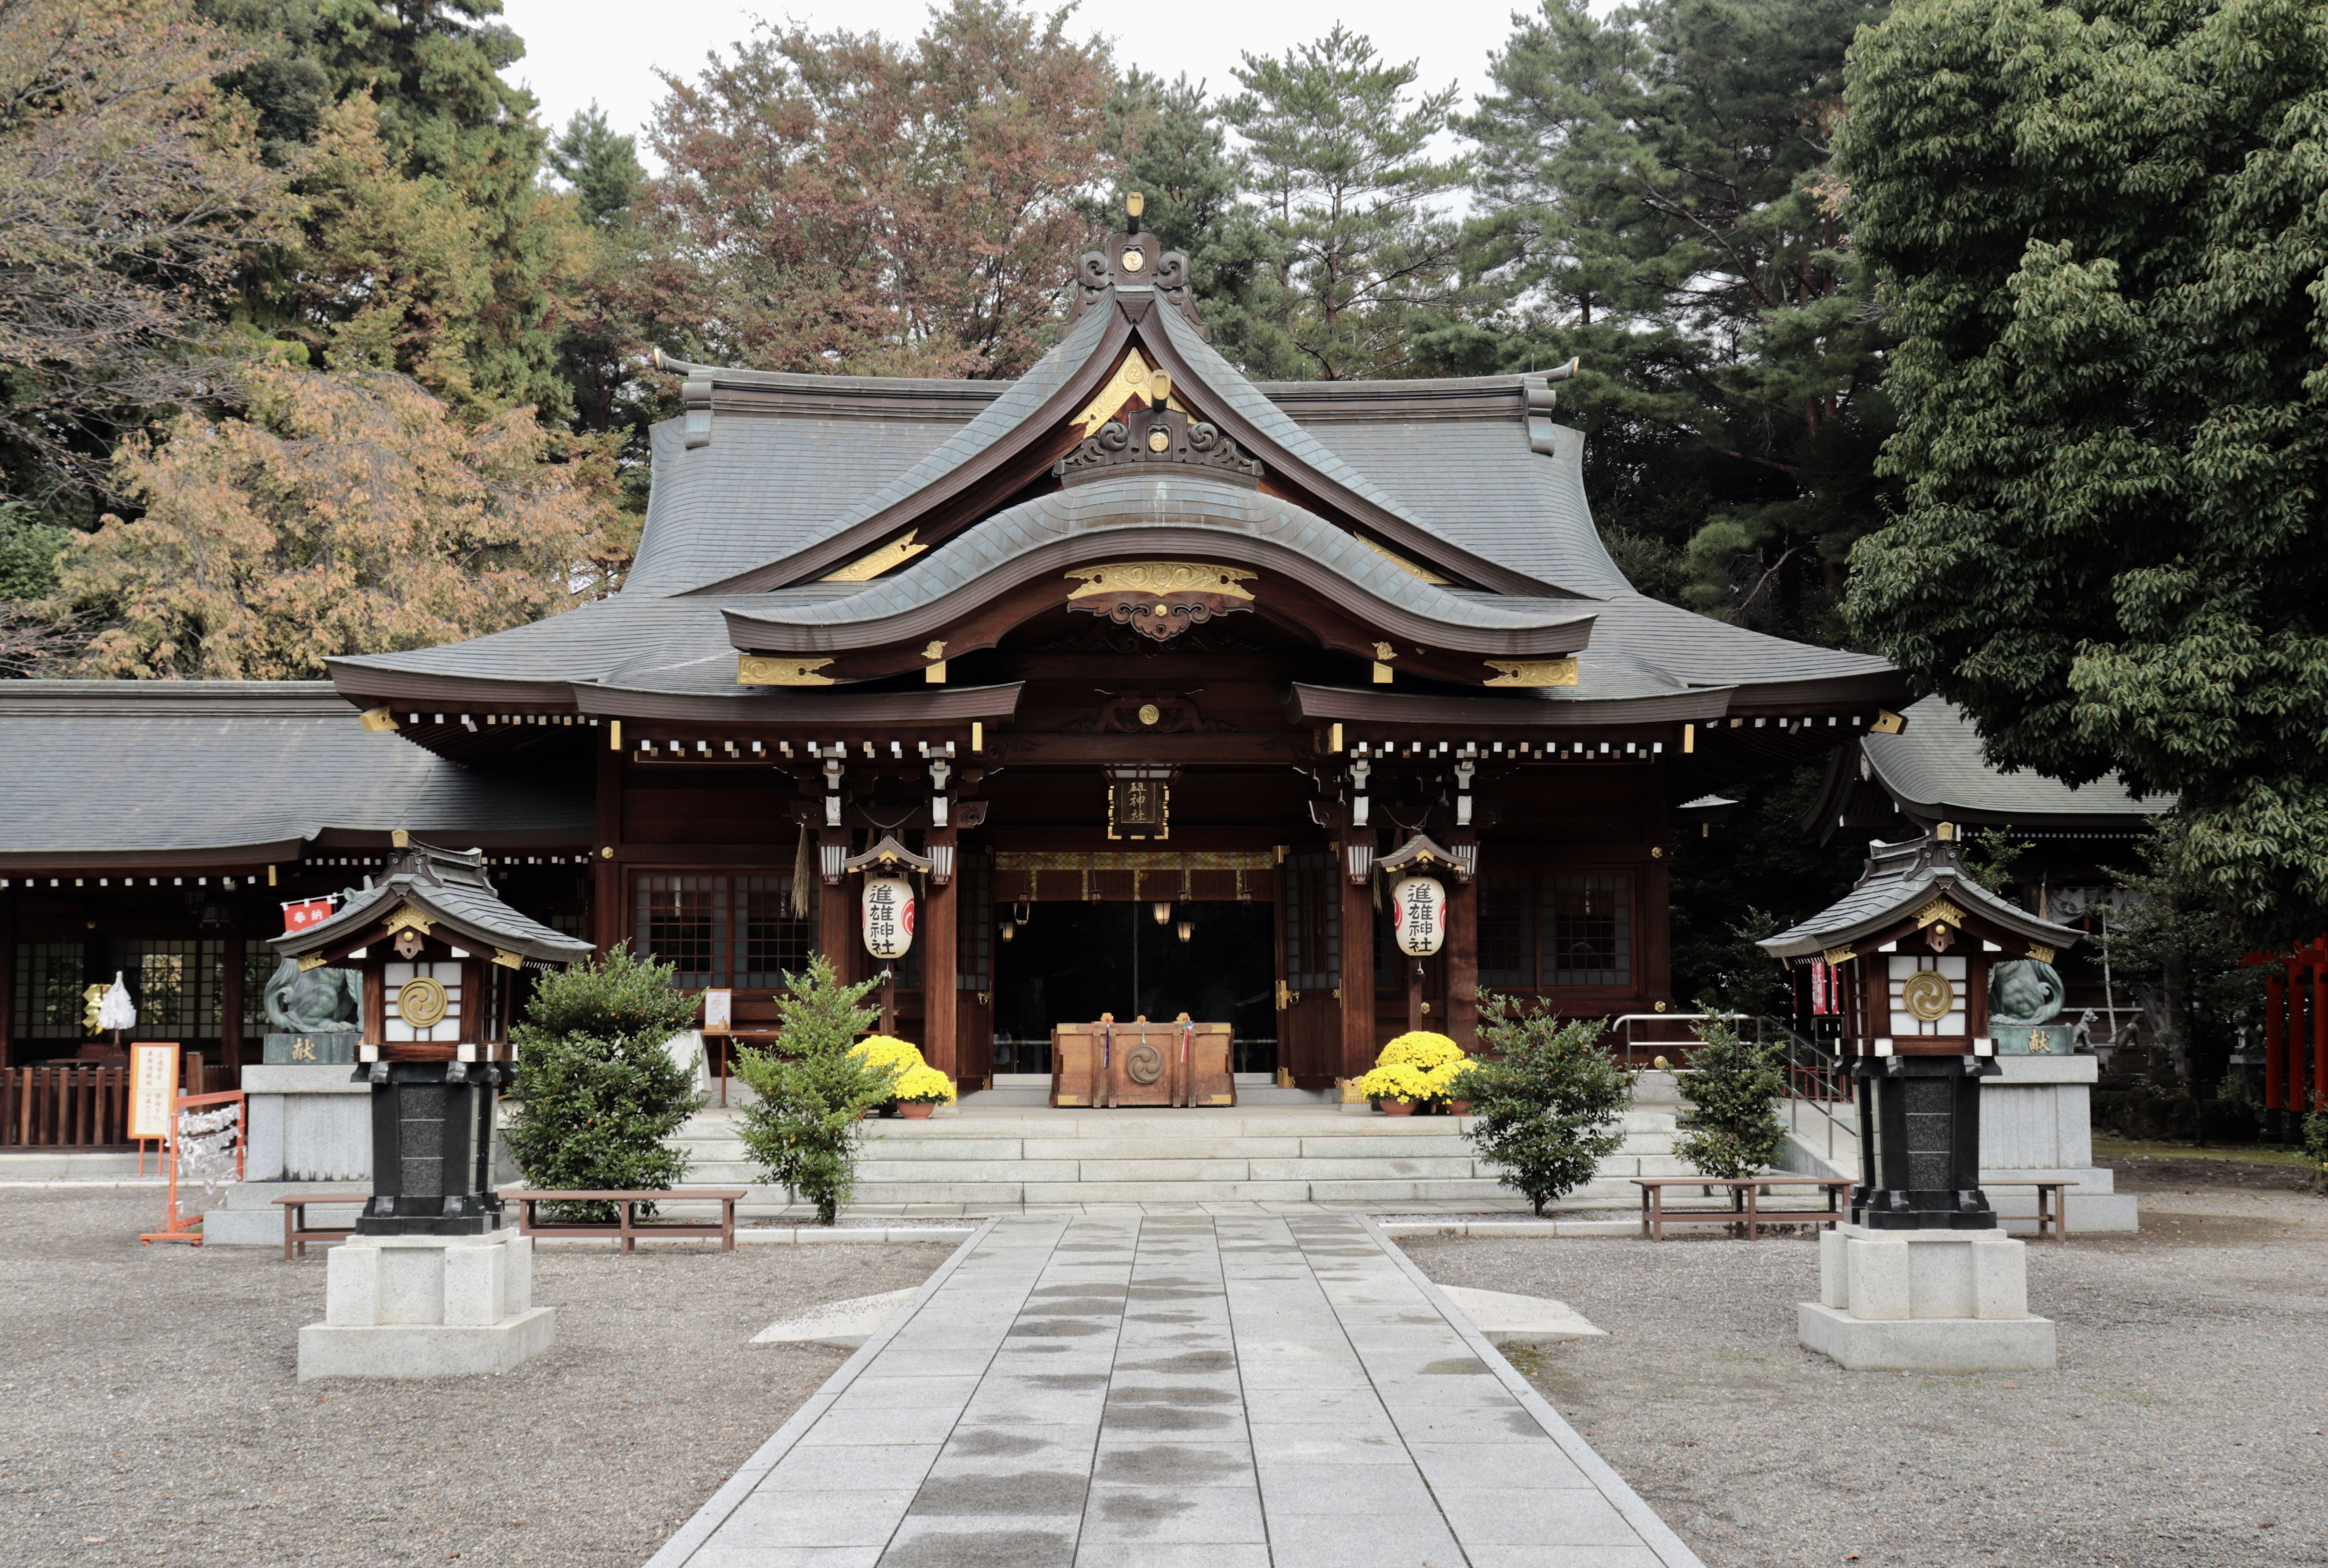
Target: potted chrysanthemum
[921, 1090]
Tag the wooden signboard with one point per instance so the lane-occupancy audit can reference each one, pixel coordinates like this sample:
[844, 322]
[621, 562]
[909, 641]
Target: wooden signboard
[153, 1084]
[1141, 1063]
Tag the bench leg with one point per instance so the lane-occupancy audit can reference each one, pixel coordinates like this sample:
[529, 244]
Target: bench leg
[289, 1226]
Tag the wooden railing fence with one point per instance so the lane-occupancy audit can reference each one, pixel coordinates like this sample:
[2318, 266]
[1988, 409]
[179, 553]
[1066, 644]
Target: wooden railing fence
[73, 1107]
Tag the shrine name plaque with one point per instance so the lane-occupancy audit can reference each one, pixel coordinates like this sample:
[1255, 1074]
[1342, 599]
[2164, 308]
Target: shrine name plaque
[1175, 1062]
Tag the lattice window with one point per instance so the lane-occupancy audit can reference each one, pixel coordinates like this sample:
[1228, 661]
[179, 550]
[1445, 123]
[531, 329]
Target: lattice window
[1313, 920]
[1507, 921]
[973, 886]
[174, 985]
[1542, 930]
[1591, 929]
[776, 942]
[259, 962]
[48, 990]
[683, 922]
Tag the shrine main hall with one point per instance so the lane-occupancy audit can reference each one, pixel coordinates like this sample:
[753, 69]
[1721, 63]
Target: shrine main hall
[1147, 676]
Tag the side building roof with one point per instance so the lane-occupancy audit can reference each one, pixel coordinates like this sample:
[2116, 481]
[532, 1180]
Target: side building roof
[114, 774]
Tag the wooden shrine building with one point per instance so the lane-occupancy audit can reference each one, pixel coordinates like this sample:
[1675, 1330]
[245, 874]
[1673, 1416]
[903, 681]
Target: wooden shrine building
[1146, 662]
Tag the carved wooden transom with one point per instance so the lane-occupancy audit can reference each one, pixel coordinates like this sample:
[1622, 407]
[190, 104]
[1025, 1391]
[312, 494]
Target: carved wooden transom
[1160, 599]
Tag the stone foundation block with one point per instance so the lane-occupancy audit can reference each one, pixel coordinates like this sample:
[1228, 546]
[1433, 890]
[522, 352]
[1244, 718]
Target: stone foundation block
[413, 1306]
[1926, 1344]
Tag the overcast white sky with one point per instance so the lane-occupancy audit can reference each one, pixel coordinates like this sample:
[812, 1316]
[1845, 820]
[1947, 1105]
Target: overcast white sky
[581, 50]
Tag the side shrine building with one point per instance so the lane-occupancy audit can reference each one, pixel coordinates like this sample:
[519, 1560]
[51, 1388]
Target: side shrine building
[1141, 670]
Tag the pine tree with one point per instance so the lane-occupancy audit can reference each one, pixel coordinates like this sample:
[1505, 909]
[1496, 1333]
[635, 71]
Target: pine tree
[812, 1089]
[598, 1091]
[1653, 195]
[1350, 205]
[1170, 143]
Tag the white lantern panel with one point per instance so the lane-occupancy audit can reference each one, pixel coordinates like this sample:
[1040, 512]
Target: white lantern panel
[1927, 996]
[423, 1003]
[1418, 916]
[889, 914]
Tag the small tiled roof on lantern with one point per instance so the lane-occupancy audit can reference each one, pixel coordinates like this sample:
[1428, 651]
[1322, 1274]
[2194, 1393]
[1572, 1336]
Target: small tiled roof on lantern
[450, 889]
[1900, 882]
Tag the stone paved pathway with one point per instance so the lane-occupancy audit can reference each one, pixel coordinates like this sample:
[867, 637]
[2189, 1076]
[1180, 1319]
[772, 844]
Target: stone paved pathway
[1190, 1391]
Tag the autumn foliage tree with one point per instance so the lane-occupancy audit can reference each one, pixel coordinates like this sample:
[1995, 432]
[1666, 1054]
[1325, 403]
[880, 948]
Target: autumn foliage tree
[841, 201]
[131, 190]
[340, 514]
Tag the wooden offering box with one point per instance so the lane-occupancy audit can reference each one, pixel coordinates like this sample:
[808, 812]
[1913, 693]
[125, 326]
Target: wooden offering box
[1107, 1063]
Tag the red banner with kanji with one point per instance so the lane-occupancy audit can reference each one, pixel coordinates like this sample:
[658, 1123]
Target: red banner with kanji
[309, 912]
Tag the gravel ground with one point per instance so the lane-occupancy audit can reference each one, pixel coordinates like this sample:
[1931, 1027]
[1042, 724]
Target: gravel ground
[2182, 1430]
[154, 1413]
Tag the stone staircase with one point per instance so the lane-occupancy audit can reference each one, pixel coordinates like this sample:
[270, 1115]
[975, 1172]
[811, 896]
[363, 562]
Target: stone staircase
[1004, 1150]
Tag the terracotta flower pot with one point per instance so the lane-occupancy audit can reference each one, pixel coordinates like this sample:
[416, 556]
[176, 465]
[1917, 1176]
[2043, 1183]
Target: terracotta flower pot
[1458, 1108]
[1398, 1107]
[916, 1110]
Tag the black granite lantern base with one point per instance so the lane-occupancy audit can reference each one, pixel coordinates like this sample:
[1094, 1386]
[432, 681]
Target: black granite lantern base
[432, 1145]
[1920, 1143]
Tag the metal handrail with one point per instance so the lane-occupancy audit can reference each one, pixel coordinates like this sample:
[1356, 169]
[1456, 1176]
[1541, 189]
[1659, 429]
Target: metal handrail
[1809, 1066]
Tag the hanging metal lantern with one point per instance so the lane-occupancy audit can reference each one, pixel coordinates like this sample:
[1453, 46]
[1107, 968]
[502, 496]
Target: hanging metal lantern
[889, 916]
[1418, 915]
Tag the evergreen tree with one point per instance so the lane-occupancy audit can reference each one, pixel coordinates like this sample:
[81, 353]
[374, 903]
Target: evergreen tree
[1653, 196]
[1170, 143]
[1351, 210]
[601, 165]
[598, 1091]
[1546, 1107]
[813, 1090]
[1730, 1127]
[2101, 237]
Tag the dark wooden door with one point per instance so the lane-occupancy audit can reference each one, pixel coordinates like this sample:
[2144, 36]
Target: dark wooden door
[1309, 967]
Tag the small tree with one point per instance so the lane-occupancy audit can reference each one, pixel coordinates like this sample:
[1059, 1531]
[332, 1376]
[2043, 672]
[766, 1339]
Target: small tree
[597, 1089]
[1547, 1108]
[813, 1090]
[1730, 1128]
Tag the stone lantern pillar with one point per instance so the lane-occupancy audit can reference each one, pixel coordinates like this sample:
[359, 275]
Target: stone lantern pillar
[1921, 1279]
[436, 1280]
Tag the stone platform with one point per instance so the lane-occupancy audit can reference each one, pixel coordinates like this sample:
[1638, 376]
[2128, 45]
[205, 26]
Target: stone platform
[1190, 1391]
[997, 1154]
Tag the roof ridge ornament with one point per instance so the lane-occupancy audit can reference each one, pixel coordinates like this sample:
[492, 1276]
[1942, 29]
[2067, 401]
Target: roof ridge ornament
[1129, 258]
[1157, 434]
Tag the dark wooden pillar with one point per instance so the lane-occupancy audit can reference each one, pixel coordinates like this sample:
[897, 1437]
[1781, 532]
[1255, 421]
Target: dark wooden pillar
[1414, 993]
[837, 936]
[8, 974]
[1357, 975]
[607, 914]
[1462, 1023]
[938, 937]
[230, 1038]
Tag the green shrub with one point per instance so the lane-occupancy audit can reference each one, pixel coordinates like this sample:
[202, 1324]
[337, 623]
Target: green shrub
[1547, 1108]
[814, 1088]
[2315, 1144]
[598, 1090]
[1730, 1127]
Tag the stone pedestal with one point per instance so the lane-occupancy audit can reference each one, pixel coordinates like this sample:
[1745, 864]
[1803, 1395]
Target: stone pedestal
[310, 1131]
[322, 1045]
[427, 1306]
[1925, 1301]
[2036, 1125]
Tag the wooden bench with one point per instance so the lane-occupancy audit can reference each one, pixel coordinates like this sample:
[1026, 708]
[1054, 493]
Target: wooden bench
[1656, 1216]
[298, 1233]
[2055, 1213]
[630, 1228]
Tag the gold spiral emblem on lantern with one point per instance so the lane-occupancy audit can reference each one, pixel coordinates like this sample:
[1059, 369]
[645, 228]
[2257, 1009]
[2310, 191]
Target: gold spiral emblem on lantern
[1929, 995]
[422, 1003]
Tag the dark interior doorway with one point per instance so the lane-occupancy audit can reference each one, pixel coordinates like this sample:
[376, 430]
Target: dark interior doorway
[1071, 962]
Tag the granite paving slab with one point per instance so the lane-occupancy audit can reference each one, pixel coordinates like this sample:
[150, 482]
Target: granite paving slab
[1234, 1390]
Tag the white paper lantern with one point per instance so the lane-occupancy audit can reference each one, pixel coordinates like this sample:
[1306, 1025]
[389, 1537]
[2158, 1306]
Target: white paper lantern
[889, 916]
[1418, 915]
